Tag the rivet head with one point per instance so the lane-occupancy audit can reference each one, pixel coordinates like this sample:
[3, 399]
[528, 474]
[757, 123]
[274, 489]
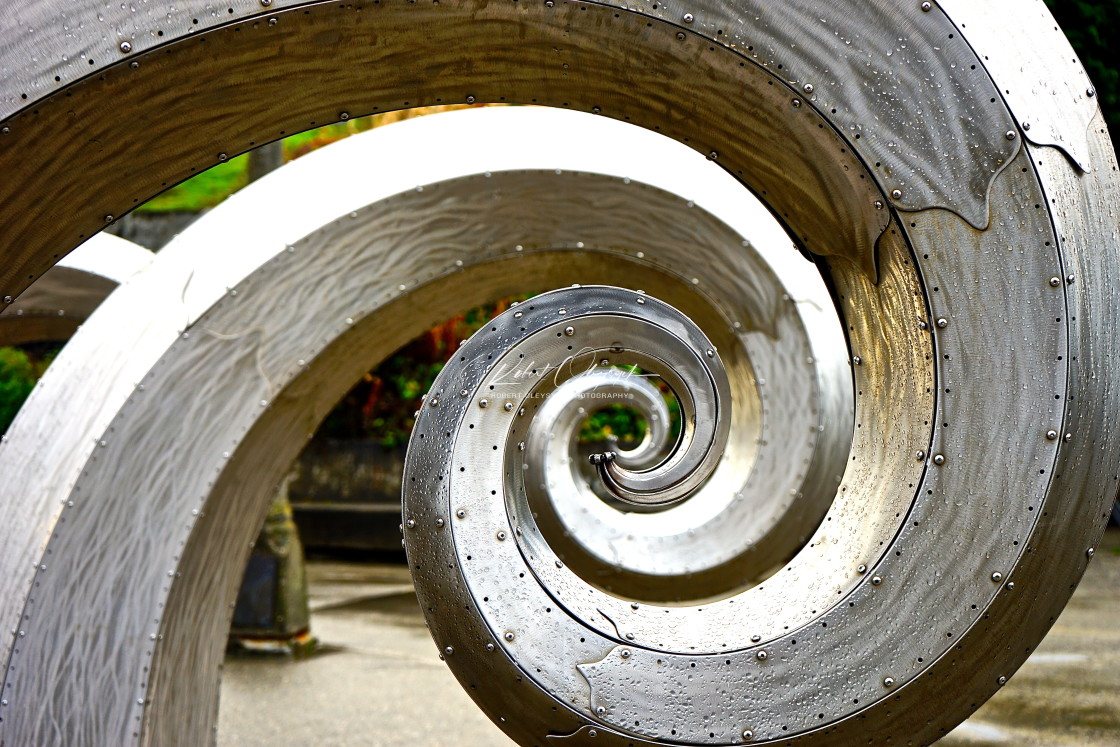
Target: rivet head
[501, 535]
[756, 638]
[1010, 585]
[223, 157]
[596, 110]
[1010, 134]
[484, 403]
[439, 521]
[592, 733]
[807, 88]
[1067, 437]
[508, 636]
[600, 710]
[762, 655]
[795, 103]
[109, 218]
[861, 569]
[126, 47]
[460, 513]
[7, 299]
[997, 577]
[266, 3]
[939, 459]
[1055, 282]
[1051, 435]
[1090, 92]
[1026, 125]
[876, 580]
[434, 402]
[1002, 680]
[942, 323]
[508, 407]
[449, 650]
[896, 194]
[856, 360]
[549, 3]
[625, 653]
[689, 18]
[888, 682]
[926, 7]
[344, 115]
[1091, 552]
[922, 325]
[569, 331]
[490, 647]
[411, 523]
[747, 735]
[470, 99]
[5, 130]
[920, 455]
[878, 204]
[1069, 279]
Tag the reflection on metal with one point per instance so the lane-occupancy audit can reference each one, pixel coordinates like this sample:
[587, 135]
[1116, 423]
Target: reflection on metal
[699, 384]
[57, 303]
[849, 121]
[230, 366]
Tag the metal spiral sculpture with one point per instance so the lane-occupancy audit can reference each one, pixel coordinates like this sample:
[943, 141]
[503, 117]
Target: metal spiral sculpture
[955, 190]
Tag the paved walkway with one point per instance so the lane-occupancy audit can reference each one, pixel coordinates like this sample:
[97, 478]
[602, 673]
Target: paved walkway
[378, 681]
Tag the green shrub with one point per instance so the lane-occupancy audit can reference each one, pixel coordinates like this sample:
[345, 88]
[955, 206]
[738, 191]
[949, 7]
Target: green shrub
[17, 379]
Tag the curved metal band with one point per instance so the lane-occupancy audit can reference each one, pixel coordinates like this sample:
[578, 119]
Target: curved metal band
[56, 304]
[275, 338]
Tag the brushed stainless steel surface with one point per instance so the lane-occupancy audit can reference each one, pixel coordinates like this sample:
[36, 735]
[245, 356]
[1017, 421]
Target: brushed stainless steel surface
[196, 373]
[1041, 79]
[58, 302]
[902, 117]
[821, 198]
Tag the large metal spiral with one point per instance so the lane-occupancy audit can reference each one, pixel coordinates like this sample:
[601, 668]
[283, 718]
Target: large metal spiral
[227, 367]
[956, 192]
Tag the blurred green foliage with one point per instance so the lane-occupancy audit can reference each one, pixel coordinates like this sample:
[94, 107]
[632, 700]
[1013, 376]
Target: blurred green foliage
[202, 191]
[383, 404]
[614, 421]
[19, 370]
[1092, 27]
[209, 188]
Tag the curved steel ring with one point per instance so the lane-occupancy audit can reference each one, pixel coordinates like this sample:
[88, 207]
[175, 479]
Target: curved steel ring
[57, 303]
[906, 164]
[229, 382]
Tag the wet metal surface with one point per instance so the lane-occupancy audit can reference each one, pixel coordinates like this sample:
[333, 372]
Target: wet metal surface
[380, 681]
